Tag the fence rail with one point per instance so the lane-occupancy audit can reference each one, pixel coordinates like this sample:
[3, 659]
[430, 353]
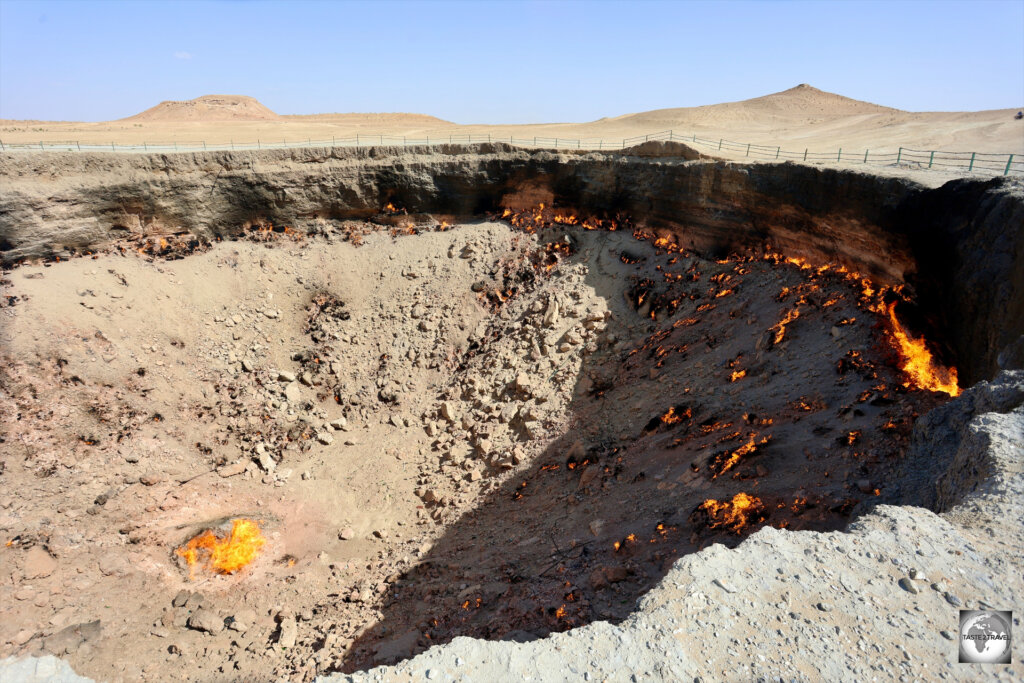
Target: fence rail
[969, 162]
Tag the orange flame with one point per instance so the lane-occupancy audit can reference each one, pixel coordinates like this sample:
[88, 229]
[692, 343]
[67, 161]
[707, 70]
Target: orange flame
[224, 555]
[917, 362]
[734, 515]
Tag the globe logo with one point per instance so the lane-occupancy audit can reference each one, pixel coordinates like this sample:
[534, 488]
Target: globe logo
[985, 636]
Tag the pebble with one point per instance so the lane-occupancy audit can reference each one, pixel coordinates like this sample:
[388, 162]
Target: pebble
[325, 438]
[285, 376]
[908, 585]
[952, 599]
[288, 632]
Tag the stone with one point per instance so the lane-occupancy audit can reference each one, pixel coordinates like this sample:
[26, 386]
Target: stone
[551, 314]
[908, 585]
[181, 598]
[347, 534]
[38, 563]
[287, 632]
[449, 411]
[286, 377]
[291, 393]
[151, 479]
[206, 620]
[266, 462]
[232, 469]
[339, 424]
[325, 438]
[306, 379]
[247, 365]
[242, 620]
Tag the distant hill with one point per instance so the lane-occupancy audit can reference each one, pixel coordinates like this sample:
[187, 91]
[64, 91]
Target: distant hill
[801, 102]
[208, 108]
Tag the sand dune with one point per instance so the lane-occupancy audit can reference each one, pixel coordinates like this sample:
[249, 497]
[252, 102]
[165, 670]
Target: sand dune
[798, 118]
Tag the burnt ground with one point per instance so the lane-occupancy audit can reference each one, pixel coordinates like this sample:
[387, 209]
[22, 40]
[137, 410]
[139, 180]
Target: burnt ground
[463, 432]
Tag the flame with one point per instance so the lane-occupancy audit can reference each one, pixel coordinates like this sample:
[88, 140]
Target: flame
[734, 515]
[224, 555]
[737, 374]
[917, 362]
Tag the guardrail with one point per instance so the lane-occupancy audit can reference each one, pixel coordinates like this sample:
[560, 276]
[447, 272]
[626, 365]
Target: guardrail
[969, 162]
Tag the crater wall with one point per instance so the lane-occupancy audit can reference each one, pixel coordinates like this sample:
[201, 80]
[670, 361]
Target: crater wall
[959, 246]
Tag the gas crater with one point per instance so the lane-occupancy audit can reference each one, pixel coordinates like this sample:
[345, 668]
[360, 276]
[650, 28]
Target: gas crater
[471, 391]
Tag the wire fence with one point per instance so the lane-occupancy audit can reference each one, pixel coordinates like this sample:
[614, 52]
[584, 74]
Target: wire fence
[968, 162]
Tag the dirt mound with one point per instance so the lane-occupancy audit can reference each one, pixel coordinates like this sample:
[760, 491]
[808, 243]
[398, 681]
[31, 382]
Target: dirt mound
[208, 108]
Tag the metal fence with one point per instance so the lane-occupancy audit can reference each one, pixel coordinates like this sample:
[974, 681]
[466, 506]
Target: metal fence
[968, 162]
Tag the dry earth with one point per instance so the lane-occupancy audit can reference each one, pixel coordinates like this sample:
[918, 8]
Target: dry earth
[514, 430]
[798, 118]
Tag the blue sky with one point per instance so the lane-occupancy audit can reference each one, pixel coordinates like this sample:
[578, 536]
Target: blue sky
[502, 62]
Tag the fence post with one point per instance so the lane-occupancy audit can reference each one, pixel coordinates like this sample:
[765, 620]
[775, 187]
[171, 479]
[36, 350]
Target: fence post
[204, 145]
[41, 144]
[899, 155]
[257, 143]
[1008, 162]
[719, 144]
[1, 145]
[357, 139]
[144, 148]
[175, 145]
[232, 144]
[534, 140]
[748, 149]
[382, 140]
[839, 157]
[111, 146]
[971, 167]
[866, 155]
[805, 154]
[80, 146]
[778, 150]
[931, 159]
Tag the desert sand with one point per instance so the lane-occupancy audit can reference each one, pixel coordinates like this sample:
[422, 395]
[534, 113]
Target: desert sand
[798, 118]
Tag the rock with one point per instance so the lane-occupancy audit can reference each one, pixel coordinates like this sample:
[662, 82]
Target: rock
[180, 599]
[952, 599]
[325, 438]
[596, 526]
[347, 534]
[339, 424]
[727, 587]
[551, 314]
[908, 585]
[272, 314]
[38, 563]
[615, 574]
[232, 469]
[247, 365]
[523, 383]
[242, 620]
[287, 632]
[151, 479]
[865, 486]
[266, 462]
[824, 606]
[291, 393]
[306, 379]
[449, 411]
[68, 640]
[397, 421]
[206, 620]
[286, 377]
[588, 475]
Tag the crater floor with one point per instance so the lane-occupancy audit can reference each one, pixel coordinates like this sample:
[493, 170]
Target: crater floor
[474, 431]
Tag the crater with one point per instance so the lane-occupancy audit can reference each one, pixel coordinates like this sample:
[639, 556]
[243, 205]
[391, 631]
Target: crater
[482, 392]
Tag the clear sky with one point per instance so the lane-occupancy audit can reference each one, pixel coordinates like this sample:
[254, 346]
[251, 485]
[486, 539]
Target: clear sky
[502, 62]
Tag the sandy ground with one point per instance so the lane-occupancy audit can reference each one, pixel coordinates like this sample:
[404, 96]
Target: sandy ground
[474, 431]
[799, 118]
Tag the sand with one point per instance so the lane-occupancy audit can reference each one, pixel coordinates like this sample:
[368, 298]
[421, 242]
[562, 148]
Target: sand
[798, 118]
